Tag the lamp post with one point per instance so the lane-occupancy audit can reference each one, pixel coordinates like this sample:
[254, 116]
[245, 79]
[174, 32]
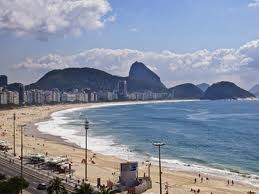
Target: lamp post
[22, 127]
[159, 157]
[14, 118]
[86, 129]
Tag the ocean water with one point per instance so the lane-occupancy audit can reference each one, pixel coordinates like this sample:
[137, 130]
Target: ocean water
[220, 138]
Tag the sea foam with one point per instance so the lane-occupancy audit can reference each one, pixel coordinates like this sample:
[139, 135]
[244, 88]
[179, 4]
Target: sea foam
[58, 126]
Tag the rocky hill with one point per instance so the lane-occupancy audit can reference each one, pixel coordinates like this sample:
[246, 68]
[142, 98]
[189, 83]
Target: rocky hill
[71, 78]
[226, 90]
[186, 91]
[140, 78]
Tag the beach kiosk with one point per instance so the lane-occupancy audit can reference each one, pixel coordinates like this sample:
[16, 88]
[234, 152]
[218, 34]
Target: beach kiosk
[129, 174]
[130, 181]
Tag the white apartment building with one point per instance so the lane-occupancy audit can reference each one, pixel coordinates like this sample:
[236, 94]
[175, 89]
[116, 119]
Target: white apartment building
[3, 98]
[12, 97]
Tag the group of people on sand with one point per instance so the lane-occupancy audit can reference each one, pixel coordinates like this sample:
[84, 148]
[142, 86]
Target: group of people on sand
[195, 191]
[232, 182]
[91, 159]
[201, 181]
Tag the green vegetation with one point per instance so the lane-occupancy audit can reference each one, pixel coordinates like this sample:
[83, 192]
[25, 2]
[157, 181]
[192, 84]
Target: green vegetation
[105, 191]
[12, 185]
[140, 79]
[186, 91]
[226, 90]
[56, 187]
[84, 189]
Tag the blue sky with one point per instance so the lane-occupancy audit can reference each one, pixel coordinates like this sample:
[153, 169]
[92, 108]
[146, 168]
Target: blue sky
[178, 26]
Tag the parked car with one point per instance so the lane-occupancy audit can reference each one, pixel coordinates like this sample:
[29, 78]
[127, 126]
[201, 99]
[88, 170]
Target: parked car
[42, 186]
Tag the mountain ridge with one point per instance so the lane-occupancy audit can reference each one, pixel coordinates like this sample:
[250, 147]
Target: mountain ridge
[97, 80]
[140, 79]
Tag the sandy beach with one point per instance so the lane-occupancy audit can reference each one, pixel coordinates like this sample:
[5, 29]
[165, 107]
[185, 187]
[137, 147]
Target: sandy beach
[105, 166]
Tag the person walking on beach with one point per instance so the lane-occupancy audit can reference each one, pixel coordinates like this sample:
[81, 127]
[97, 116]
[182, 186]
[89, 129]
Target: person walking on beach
[228, 182]
[201, 179]
[195, 180]
[232, 182]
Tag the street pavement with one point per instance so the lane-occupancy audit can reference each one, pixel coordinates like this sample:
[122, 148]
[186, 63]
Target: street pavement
[33, 176]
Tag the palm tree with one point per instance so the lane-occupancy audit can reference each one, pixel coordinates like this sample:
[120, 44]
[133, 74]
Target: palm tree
[56, 187]
[106, 191]
[84, 189]
[13, 185]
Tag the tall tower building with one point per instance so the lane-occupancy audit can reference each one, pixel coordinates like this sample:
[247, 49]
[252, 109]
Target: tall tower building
[21, 94]
[3, 80]
[122, 90]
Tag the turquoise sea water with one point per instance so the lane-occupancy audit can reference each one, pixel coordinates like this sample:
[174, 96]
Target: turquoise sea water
[217, 137]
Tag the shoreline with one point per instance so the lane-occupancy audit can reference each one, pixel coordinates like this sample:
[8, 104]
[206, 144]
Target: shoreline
[190, 167]
[110, 163]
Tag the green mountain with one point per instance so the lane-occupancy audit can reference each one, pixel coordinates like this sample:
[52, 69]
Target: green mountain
[97, 80]
[142, 78]
[226, 90]
[186, 91]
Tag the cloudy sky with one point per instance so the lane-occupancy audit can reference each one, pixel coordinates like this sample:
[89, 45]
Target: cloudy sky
[181, 40]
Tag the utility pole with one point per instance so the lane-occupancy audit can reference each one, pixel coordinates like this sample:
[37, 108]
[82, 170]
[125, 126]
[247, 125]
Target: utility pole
[86, 129]
[14, 118]
[159, 156]
[22, 127]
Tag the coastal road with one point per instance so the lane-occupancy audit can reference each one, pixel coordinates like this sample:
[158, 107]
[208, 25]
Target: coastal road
[32, 176]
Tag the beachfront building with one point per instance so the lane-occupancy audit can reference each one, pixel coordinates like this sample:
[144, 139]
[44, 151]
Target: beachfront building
[82, 97]
[122, 90]
[21, 91]
[107, 96]
[130, 181]
[68, 97]
[52, 96]
[94, 97]
[160, 96]
[147, 95]
[136, 96]
[12, 97]
[41, 97]
[34, 97]
[56, 96]
[3, 98]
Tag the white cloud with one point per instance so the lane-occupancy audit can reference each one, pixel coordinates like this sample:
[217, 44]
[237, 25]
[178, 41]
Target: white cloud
[173, 68]
[254, 3]
[133, 29]
[44, 17]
